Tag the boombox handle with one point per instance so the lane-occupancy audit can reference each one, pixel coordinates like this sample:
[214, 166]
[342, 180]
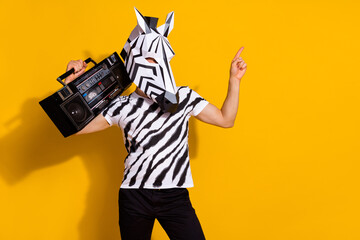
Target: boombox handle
[71, 71]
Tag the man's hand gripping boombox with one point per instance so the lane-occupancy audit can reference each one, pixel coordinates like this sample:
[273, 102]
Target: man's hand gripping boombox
[72, 107]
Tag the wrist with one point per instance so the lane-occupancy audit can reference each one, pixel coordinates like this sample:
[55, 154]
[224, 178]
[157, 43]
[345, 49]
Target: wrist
[234, 86]
[234, 80]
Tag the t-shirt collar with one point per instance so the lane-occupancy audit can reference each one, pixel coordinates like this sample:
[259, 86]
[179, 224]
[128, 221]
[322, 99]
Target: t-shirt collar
[136, 96]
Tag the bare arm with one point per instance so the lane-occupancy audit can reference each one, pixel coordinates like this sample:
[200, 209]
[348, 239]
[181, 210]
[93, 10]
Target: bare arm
[97, 124]
[225, 117]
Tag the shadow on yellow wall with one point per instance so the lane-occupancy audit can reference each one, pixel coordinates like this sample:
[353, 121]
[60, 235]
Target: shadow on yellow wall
[37, 144]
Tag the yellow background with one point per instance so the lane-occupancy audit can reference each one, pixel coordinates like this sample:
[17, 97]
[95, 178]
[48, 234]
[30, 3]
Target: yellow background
[288, 170]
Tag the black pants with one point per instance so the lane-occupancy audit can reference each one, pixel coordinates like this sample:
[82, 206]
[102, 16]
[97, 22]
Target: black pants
[138, 209]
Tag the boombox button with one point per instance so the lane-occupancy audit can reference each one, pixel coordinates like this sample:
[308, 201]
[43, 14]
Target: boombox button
[103, 104]
[114, 93]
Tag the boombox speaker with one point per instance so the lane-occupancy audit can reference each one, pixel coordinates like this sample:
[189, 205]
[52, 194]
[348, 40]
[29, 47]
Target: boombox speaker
[72, 107]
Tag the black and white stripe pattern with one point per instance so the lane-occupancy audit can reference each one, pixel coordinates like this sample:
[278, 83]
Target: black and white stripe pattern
[156, 141]
[148, 41]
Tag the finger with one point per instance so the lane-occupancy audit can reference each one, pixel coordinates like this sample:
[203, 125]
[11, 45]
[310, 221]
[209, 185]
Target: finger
[243, 67]
[80, 72]
[239, 52]
[70, 65]
[79, 66]
[237, 61]
[241, 64]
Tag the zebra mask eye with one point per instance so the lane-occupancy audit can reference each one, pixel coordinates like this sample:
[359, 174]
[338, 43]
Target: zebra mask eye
[156, 80]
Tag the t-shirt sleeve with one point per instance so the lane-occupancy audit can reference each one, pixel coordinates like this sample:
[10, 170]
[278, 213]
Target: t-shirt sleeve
[108, 118]
[198, 102]
[112, 112]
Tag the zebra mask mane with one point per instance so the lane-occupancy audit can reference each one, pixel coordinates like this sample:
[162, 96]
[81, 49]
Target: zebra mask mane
[156, 80]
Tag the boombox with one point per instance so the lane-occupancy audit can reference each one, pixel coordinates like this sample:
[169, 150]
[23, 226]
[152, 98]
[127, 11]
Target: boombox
[72, 107]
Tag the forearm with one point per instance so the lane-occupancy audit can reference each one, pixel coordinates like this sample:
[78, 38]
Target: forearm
[231, 103]
[97, 124]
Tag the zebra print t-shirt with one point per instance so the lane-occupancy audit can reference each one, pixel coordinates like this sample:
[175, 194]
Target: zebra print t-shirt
[156, 141]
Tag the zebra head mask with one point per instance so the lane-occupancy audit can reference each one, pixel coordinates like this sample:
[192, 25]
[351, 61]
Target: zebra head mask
[156, 80]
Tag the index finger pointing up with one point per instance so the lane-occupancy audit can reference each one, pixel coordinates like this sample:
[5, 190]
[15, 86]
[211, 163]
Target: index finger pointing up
[239, 52]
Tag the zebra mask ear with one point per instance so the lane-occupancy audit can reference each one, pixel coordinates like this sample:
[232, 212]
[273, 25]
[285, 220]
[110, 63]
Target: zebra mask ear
[142, 22]
[166, 28]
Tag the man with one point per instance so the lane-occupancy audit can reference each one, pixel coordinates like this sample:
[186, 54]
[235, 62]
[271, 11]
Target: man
[157, 169]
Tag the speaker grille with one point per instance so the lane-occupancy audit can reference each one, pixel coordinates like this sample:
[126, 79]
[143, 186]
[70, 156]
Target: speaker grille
[77, 111]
